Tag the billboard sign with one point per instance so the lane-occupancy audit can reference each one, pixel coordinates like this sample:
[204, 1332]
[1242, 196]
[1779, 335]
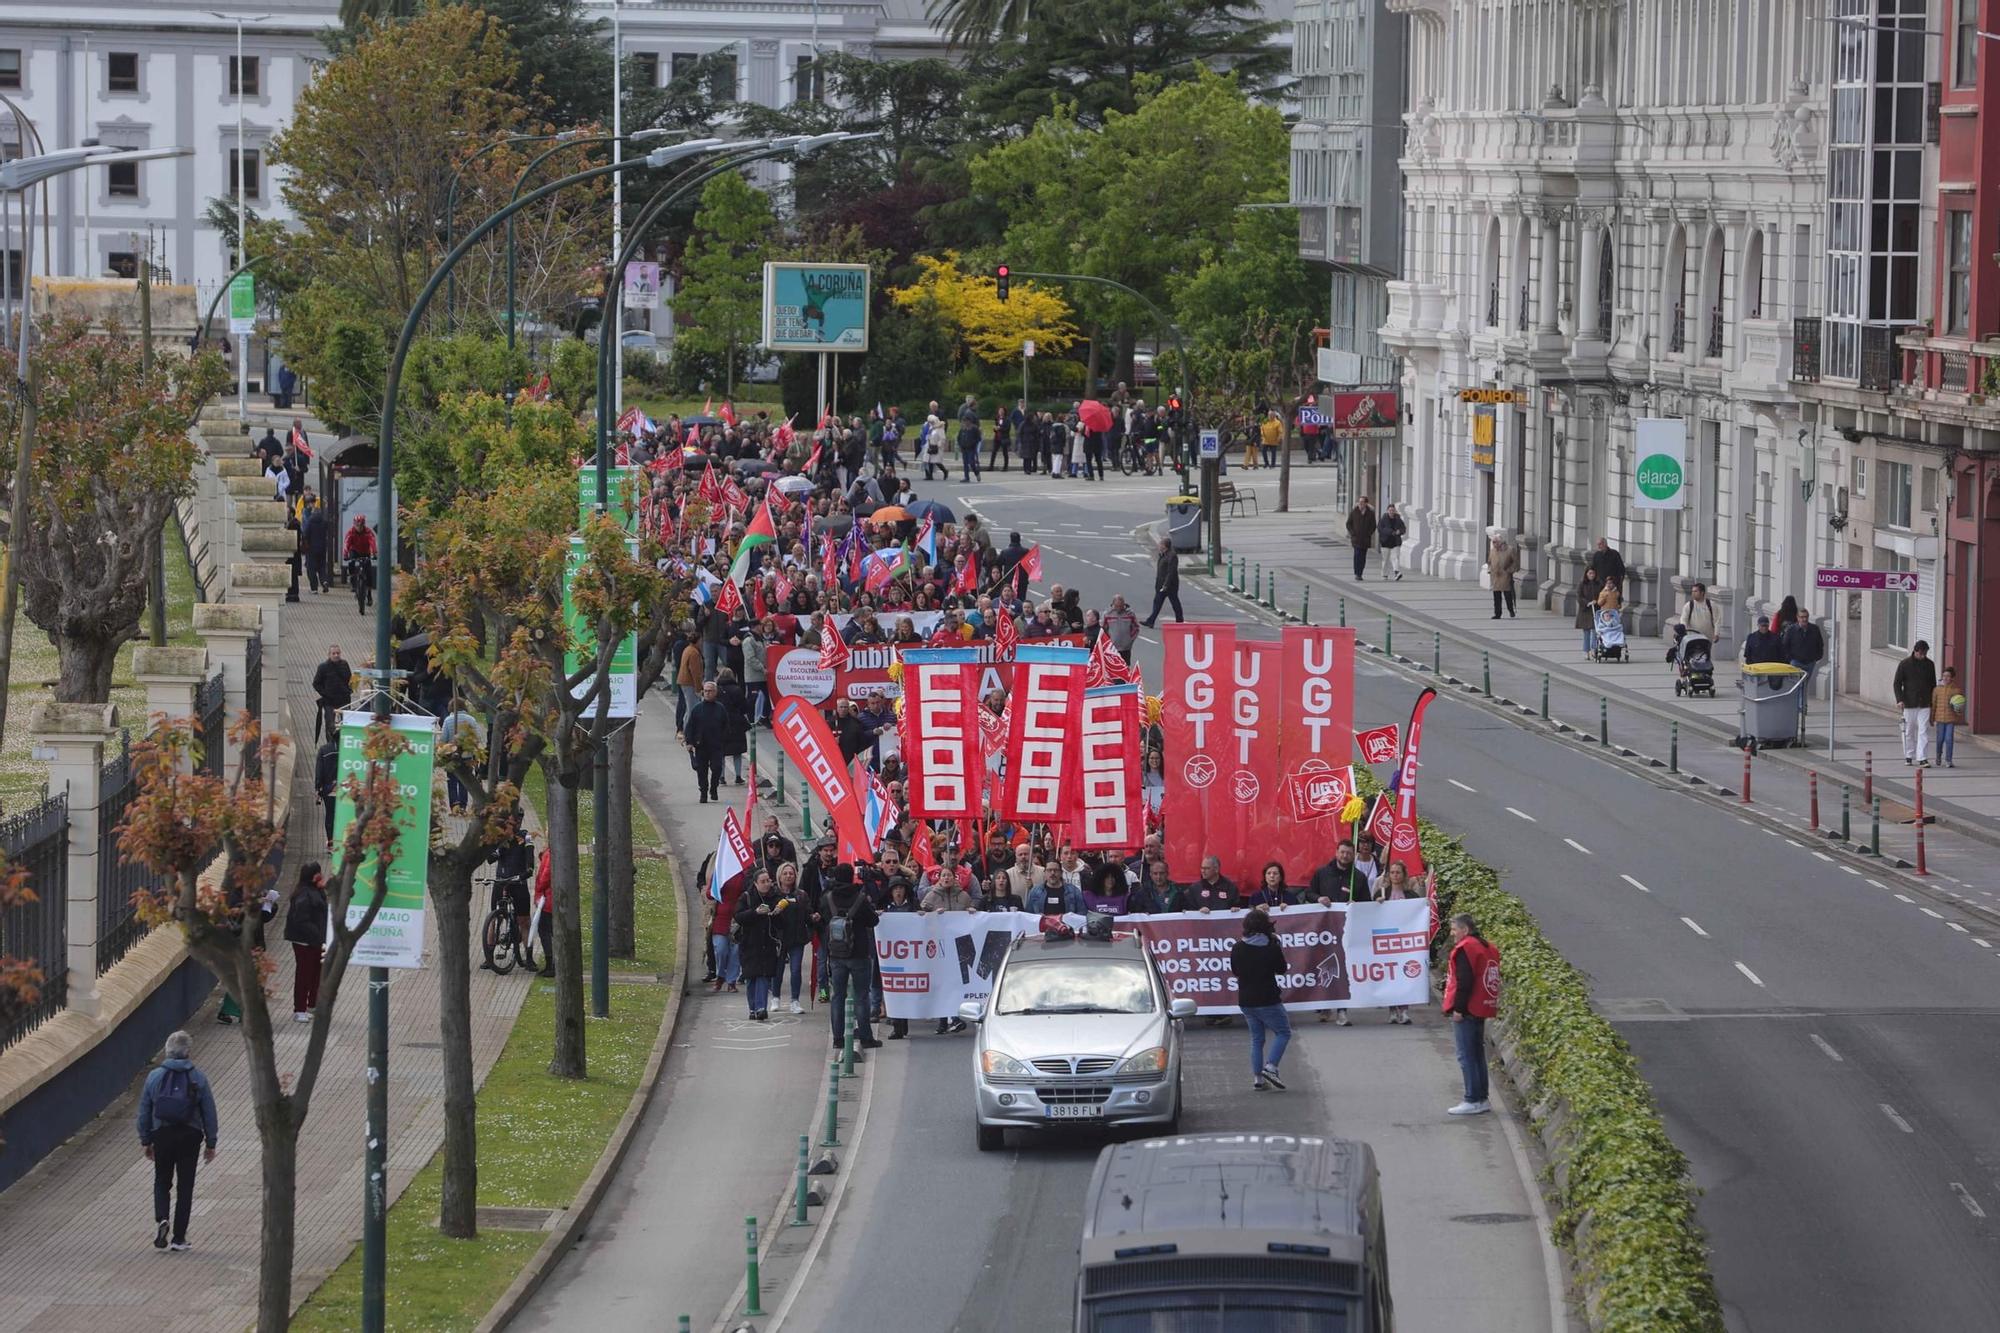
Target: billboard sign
[816, 307]
[1369, 414]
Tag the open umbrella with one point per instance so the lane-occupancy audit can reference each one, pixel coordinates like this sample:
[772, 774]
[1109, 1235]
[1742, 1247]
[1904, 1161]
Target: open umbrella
[794, 485]
[889, 514]
[834, 523]
[1094, 415]
[939, 511]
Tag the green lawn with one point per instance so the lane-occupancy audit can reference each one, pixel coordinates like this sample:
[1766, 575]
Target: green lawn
[539, 1136]
[32, 676]
[659, 405]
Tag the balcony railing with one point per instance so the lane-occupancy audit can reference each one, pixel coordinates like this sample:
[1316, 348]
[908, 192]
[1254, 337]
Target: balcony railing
[1714, 346]
[1493, 306]
[1677, 331]
[1878, 357]
[1805, 349]
[1521, 310]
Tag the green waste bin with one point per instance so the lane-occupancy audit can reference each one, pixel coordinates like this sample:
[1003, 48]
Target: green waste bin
[1184, 522]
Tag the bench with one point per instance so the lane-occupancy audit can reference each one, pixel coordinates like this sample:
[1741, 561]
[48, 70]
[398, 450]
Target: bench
[1229, 493]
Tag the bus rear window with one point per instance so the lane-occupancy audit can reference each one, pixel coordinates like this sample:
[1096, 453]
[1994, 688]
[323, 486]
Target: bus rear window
[1221, 1312]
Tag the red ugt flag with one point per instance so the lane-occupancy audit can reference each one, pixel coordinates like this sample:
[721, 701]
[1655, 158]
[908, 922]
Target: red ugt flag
[1032, 563]
[833, 652]
[1197, 658]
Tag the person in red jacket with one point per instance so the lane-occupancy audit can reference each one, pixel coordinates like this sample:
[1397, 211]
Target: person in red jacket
[357, 549]
[1471, 996]
[545, 924]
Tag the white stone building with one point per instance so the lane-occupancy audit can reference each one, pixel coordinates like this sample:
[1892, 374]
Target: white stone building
[1613, 211]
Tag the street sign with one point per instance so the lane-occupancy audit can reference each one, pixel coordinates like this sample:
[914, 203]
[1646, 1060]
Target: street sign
[243, 303]
[1866, 580]
[1491, 397]
[1211, 445]
[1027, 347]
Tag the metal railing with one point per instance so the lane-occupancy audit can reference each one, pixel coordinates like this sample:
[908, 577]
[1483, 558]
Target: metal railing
[37, 840]
[1493, 305]
[118, 923]
[1677, 330]
[1714, 332]
[211, 711]
[253, 697]
[1521, 310]
[1878, 357]
[1805, 348]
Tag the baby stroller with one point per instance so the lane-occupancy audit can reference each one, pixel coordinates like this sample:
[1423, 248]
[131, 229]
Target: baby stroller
[1694, 664]
[1610, 626]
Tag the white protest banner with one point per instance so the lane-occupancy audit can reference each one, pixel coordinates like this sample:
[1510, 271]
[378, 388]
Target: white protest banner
[1348, 956]
[932, 962]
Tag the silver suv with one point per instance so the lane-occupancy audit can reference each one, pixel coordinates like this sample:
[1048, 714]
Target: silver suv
[1078, 1030]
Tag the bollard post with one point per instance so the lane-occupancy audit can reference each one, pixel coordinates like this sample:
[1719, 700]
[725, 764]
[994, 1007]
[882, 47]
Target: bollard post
[1812, 799]
[1867, 776]
[1545, 696]
[1305, 605]
[831, 1138]
[1746, 775]
[1674, 747]
[1922, 867]
[752, 1296]
[1875, 827]
[852, 1020]
[781, 775]
[1486, 672]
[1388, 636]
[681, 1325]
[1603, 721]
[1437, 659]
[799, 1217]
[806, 812]
[1846, 794]
[1343, 613]
[1271, 592]
[1257, 586]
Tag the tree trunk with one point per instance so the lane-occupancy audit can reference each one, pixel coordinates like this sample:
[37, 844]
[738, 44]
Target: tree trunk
[280, 1162]
[566, 892]
[1122, 358]
[615, 842]
[451, 892]
[84, 668]
[1090, 367]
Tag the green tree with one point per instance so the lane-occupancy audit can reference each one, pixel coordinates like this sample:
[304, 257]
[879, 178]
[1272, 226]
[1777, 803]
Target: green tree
[909, 356]
[564, 56]
[721, 296]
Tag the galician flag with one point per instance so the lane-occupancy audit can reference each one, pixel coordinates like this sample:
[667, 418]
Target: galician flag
[762, 532]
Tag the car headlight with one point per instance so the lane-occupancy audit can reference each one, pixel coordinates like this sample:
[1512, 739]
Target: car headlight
[1150, 1061]
[1002, 1065]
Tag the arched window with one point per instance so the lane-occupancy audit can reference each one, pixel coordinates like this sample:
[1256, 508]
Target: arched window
[1524, 249]
[1607, 277]
[1751, 299]
[1673, 292]
[1710, 308]
[1491, 272]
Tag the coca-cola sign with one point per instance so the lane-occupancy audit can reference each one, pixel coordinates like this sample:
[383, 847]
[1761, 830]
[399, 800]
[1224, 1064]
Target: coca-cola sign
[1364, 414]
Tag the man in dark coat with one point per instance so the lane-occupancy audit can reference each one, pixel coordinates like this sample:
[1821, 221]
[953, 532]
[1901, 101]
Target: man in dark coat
[1011, 557]
[1361, 533]
[1915, 683]
[1166, 583]
[706, 733]
[333, 685]
[1610, 565]
[1761, 645]
[312, 538]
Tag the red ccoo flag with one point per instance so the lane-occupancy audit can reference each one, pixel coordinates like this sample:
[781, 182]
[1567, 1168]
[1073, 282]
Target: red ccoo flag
[833, 652]
[1032, 563]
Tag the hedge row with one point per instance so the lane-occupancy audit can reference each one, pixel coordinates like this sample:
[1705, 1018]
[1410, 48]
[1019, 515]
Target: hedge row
[1626, 1206]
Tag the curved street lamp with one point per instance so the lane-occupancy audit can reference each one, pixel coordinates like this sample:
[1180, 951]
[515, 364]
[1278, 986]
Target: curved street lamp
[451, 199]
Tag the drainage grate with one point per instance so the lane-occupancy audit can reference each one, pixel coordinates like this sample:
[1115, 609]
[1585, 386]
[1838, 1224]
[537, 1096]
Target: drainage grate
[518, 1219]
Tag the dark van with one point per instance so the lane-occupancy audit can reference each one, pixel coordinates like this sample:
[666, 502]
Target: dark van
[1234, 1233]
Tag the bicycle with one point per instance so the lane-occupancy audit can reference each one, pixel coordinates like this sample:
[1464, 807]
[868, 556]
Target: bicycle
[361, 578]
[501, 937]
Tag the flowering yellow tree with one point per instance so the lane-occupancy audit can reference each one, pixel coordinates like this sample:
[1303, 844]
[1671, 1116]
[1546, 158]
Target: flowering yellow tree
[991, 329]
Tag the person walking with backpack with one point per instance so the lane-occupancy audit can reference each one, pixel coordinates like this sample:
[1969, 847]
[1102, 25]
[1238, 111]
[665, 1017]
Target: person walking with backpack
[176, 1123]
[850, 948]
[1471, 996]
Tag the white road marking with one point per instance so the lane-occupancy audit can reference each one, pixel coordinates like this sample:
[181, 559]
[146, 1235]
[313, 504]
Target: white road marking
[1932, 913]
[1895, 1119]
[1960, 929]
[1905, 898]
[1579, 846]
[1965, 1197]
[1688, 921]
[1741, 820]
[1824, 857]
[1635, 884]
[1981, 943]
[1790, 843]
[1129, 557]
[1460, 785]
[1878, 883]
[1523, 814]
[1850, 870]
[1827, 1049]
[1755, 980]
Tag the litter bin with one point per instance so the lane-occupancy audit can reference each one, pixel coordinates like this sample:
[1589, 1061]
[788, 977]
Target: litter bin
[1184, 522]
[1768, 694]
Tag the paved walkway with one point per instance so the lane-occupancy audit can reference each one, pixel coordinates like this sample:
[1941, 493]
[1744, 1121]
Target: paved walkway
[76, 1235]
[1427, 620]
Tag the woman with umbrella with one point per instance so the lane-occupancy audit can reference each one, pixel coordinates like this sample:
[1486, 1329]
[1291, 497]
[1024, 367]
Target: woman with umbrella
[1095, 419]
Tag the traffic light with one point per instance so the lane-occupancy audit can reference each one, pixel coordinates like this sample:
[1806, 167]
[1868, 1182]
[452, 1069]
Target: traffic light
[1000, 281]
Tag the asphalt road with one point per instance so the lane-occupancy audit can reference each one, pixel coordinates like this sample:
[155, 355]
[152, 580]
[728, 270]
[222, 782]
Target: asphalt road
[1820, 1036]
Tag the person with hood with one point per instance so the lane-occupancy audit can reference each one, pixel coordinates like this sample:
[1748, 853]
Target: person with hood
[177, 1123]
[1390, 530]
[1257, 961]
[305, 931]
[1503, 562]
[759, 926]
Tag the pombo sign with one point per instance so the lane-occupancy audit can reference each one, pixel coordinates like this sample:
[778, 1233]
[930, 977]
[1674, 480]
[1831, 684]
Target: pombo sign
[1659, 474]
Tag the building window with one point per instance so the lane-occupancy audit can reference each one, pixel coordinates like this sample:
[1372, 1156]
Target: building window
[722, 78]
[10, 68]
[1892, 495]
[684, 63]
[1861, 477]
[1958, 270]
[1892, 623]
[123, 180]
[248, 166]
[245, 78]
[121, 72]
[646, 69]
[122, 264]
[808, 81]
[1965, 44]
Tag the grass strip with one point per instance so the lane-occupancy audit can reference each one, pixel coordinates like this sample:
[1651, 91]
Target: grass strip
[539, 1136]
[1626, 1207]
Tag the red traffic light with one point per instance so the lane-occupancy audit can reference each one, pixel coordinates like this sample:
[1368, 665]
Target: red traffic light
[1001, 271]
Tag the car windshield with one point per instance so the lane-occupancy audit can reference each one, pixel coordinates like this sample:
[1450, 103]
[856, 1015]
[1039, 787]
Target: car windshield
[1076, 986]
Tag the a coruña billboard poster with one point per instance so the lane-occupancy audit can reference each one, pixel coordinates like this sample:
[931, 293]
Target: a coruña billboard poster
[816, 307]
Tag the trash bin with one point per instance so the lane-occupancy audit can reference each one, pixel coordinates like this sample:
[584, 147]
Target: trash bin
[1184, 522]
[1769, 705]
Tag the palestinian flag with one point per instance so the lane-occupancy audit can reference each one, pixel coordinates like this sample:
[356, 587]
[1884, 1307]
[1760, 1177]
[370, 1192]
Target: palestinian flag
[762, 532]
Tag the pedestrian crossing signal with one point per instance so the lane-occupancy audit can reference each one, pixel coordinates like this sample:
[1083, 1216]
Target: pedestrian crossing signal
[1000, 281]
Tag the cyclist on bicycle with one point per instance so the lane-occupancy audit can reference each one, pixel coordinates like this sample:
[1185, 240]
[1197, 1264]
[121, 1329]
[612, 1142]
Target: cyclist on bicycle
[358, 550]
[513, 866]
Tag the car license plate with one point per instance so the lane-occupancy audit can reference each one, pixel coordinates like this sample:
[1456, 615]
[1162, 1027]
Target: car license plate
[1074, 1111]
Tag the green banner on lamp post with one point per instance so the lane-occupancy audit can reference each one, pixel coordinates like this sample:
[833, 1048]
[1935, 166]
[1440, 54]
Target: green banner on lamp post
[396, 937]
[621, 495]
[622, 697]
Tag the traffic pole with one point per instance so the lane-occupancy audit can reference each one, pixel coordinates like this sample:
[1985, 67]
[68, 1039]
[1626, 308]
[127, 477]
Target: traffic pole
[781, 775]
[799, 1217]
[831, 1137]
[1875, 827]
[1437, 659]
[1486, 667]
[1922, 867]
[1388, 636]
[682, 1325]
[1305, 605]
[806, 813]
[1846, 815]
[1343, 613]
[752, 1296]
[1812, 798]
[1673, 747]
[1603, 721]
[1746, 775]
[853, 1021]
[1867, 776]
[1545, 696]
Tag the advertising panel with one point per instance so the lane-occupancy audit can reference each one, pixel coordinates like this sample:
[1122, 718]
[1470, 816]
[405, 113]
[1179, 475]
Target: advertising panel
[816, 307]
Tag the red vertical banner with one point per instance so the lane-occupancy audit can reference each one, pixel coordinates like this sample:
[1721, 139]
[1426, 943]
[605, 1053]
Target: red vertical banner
[1039, 786]
[1316, 689]
[802, 733]
[942, 750]
[1109, 814]
[1192, 723]
[1403, 845]
[1250, 789]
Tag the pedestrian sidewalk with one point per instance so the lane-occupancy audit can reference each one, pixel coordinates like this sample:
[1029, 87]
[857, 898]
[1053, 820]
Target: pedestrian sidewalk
[76, 1234]
[1448, 623]
[717, 1145]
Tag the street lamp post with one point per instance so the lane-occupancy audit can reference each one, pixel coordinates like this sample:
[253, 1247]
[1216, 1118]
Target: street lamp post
[20, 177]
[242, 207]
[451, 202]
